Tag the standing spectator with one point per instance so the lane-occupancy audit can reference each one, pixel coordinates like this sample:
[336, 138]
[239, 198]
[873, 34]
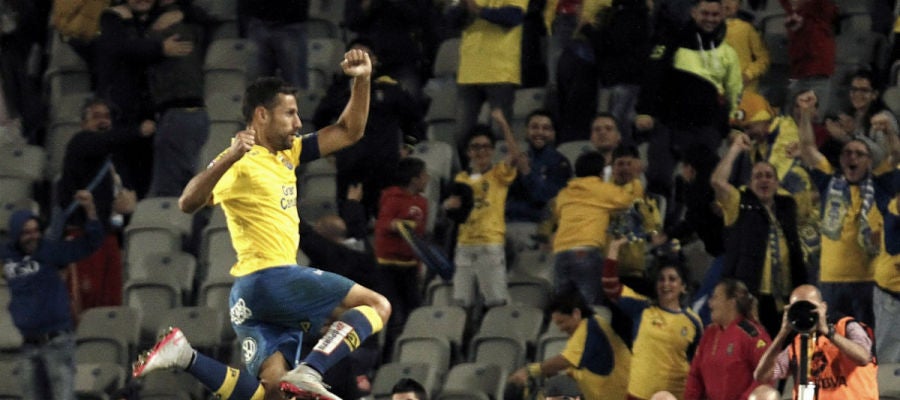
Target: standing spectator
[746, 42]
[396, 29]
[489, 58]
[176, 87]
[811, 47]
[665, 333]
[39, 302]
[23, 31]
[480, 258]
[692, 84]
[852, 202]
[394, 114]
[730, 349]
[622, 46]
[762, 247]
[583, 209]
[99, 277]
[544, 171]
[398, 268]
[277, 29]
[886, 296]
[596, 356]
[123, 53]
[841, 364]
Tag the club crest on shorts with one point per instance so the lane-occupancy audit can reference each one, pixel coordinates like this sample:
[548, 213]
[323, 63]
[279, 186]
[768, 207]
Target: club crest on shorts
[240, 312]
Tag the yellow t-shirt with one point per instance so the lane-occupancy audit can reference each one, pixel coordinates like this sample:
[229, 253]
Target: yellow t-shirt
[751, 52]
[491, 53]
[486, 223]
[604, 352]
[583, 210]
[663, 346]
[259, 196]
[844, 260]
[886, 274]
[730, 210]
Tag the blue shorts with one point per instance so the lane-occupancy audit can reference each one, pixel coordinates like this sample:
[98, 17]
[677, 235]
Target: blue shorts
[273, 308]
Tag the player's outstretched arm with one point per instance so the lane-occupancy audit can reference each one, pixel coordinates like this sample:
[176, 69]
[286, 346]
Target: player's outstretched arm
[351, 124]
[198, 192]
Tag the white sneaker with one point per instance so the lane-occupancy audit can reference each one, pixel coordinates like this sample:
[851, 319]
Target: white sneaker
[172, 350]
[305, 383]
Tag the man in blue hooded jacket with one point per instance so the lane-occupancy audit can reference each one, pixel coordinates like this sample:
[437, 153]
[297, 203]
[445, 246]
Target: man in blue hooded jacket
[39, 301]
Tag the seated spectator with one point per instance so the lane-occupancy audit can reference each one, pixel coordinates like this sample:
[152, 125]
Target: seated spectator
[544, 171]
[596, 356]
[408, 389]
[867, 118]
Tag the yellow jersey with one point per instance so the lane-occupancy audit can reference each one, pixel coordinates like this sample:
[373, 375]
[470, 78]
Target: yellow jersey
[259, 196]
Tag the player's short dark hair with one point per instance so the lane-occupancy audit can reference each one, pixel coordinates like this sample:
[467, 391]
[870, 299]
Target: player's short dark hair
[624, 150]
[264, 92]
[566, 302]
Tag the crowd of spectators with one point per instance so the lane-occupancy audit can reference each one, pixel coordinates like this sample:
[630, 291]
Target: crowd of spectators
[790, 186]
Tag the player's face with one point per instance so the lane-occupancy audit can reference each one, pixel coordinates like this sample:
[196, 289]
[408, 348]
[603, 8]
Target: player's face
[540, 131]
[282, 124]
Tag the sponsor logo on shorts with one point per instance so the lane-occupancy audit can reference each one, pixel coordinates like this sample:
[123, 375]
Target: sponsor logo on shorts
[248, 349]
[240, 312]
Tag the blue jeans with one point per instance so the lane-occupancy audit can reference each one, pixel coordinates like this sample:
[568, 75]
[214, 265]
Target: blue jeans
[623, 99]
[180, 135]
[281, 47]
[852, 299]
[48, 370]
[580, 269]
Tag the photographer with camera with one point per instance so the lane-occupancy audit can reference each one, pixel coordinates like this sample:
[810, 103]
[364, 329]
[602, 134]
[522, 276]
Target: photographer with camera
[840, 363]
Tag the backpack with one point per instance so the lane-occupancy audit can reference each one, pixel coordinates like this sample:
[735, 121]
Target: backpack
[78, 19]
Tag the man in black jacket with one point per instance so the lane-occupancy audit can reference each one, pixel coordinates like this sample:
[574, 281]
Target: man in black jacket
[762, 247]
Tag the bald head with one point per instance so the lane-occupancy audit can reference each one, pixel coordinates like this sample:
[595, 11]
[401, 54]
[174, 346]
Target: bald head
[806, 292]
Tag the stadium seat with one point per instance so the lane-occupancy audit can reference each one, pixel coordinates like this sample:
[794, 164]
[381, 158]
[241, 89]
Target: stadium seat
[388, 374]
[98, 381]
[473, 381]
[108, 334]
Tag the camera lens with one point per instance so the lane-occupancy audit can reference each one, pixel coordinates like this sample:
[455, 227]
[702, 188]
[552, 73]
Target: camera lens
[803, 316]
